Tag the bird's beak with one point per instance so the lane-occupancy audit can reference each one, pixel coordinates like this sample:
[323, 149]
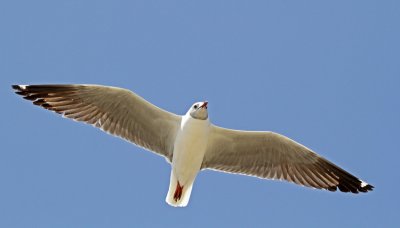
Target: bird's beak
[204, 105]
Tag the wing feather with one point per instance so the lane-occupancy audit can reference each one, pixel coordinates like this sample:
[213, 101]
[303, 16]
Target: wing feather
[274, 156]
[115, 110]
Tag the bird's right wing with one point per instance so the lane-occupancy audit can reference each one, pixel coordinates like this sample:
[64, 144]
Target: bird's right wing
[115, 110]
[274, 156]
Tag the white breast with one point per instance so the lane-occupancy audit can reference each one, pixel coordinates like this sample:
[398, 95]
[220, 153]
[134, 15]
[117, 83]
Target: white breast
[190, 146]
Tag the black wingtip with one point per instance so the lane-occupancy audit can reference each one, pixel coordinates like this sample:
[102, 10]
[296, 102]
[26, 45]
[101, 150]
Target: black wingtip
[16, 87]
[367, 188]
[21, 90]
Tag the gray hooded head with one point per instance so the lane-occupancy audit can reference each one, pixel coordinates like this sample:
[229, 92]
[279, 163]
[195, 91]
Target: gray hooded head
[199, 110]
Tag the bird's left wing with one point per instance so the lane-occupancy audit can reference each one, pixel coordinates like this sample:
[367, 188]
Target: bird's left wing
[274, 156]
[115, 110]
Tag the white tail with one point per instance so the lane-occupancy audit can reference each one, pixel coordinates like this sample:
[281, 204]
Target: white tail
[183, 198]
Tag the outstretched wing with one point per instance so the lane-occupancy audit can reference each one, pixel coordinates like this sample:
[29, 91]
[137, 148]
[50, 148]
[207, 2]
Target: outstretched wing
[115, 110]
[274, 156]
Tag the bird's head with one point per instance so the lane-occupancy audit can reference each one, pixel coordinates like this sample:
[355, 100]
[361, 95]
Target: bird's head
[199, 110]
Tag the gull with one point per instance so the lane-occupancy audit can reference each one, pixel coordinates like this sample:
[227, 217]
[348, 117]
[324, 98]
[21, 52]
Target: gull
[191, 143]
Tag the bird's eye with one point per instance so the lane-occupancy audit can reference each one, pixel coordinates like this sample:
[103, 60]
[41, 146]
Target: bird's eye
[195, 106]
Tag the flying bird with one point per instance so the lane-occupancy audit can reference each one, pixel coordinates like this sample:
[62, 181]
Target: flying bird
[191, 143]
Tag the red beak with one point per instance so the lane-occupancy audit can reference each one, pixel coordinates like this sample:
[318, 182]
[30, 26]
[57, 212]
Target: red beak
[204, 105]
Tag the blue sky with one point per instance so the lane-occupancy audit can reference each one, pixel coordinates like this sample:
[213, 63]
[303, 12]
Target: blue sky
[326, 74]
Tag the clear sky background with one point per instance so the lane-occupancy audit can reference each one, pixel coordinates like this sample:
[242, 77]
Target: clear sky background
[325, 73]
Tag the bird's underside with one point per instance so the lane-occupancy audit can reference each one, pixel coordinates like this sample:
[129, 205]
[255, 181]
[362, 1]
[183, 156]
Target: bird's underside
[261, 154]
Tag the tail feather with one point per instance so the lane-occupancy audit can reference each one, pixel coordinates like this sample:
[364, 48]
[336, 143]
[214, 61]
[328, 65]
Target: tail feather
[175, 190]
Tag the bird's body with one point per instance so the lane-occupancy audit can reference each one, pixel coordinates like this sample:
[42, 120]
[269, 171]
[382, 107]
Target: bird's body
[190, 142]
[189, 149]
